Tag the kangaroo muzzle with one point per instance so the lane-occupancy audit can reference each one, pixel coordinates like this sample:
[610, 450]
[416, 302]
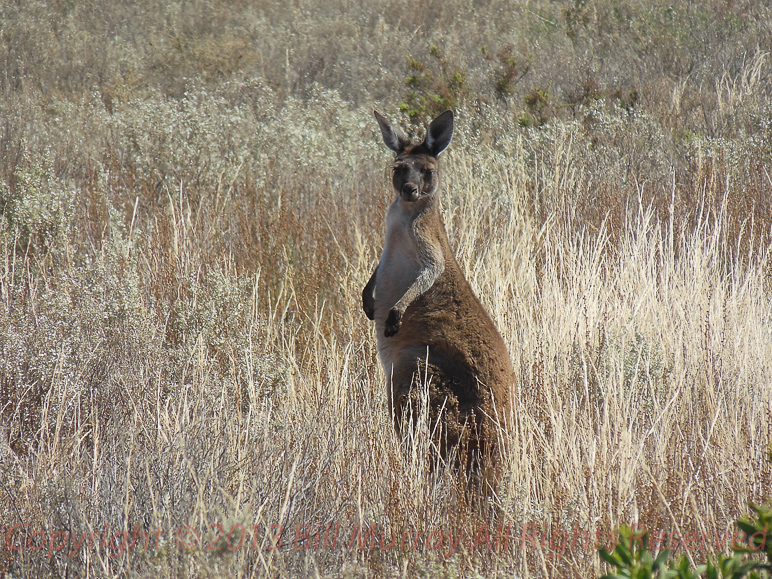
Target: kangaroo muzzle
[409, 192]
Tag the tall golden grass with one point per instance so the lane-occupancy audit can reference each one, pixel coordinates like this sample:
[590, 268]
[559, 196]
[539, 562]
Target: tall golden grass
[182, 347]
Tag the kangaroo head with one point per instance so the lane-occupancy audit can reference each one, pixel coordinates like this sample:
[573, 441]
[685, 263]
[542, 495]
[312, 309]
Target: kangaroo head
[416, 168]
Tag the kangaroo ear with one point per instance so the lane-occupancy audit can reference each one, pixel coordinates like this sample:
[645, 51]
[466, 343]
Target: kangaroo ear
[439, 133]
[393, 137]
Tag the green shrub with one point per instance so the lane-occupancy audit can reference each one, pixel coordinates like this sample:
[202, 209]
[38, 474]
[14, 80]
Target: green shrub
[433, 87]
[510, 71]
[638, 562]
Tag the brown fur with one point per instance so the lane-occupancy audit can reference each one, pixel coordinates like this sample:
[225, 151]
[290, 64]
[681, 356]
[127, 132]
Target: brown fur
[469, 370]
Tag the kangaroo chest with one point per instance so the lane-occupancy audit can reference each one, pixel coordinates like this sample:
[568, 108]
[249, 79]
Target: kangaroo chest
[400, 262]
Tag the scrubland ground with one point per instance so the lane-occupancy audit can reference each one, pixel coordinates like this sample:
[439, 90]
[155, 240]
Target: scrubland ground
[192, 197]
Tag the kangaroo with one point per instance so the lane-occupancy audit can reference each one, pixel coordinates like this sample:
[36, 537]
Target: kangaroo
[428, 320]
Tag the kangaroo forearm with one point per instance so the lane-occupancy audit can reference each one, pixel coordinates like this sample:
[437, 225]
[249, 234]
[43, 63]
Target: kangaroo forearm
[423, 282]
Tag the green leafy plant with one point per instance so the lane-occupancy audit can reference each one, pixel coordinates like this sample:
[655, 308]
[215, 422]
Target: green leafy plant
[632, 557]
[433, 87]
[636, 563]
[633, 562]
[540, 107]
[510, 71]
[576, 17]
[756, 529]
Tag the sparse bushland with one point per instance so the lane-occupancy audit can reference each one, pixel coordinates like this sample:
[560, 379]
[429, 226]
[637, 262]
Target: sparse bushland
[192, 197]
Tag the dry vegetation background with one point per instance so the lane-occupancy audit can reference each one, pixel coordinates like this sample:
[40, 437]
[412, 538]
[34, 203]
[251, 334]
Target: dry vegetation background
[192, 196]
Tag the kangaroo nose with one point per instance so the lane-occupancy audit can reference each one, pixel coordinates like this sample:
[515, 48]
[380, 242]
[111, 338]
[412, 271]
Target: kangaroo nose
[409, 191]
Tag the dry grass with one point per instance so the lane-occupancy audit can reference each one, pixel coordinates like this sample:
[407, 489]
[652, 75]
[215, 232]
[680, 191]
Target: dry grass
[191, 207]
